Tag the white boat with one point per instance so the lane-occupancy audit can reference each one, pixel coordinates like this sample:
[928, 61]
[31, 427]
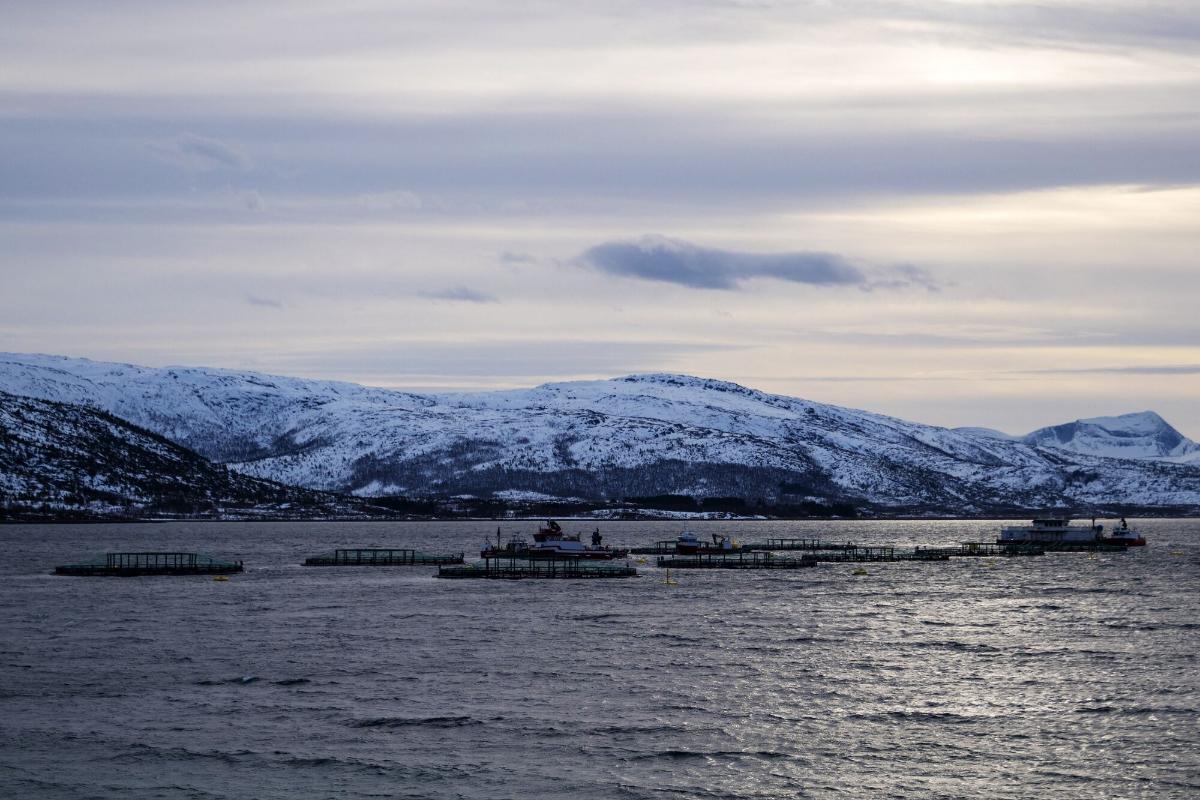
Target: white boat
[551, 542]
[1059, 530]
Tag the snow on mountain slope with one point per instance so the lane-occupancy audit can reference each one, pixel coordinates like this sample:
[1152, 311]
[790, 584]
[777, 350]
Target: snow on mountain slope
[223, 414]
[988, 433]
[637, 435]
[1141, 435]
[58, 458]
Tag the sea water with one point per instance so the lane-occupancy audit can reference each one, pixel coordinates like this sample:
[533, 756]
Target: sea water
[1070, 675]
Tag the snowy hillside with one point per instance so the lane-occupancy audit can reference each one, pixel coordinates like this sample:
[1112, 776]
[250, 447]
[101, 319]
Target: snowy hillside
[1140, 435]
[635, 436]
[61, 460]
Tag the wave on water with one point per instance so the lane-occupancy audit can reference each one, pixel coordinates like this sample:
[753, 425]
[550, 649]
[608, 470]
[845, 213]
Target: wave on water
[687, 755]
[239, 681]
[402, 722]
[140, 753]
[597, 617]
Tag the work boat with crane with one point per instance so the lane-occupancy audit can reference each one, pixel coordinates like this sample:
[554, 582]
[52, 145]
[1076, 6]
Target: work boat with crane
[688, 544]
[1059, 530]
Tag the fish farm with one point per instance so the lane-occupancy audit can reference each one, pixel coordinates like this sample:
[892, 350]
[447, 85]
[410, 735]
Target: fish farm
[769, 555]
[544, 568]
[380, 557]
[666, 547]
[133, 564]
[737, 560]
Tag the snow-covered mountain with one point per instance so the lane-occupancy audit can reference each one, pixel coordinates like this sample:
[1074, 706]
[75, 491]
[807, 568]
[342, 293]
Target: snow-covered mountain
[1143, 434]
[65, 460]
[634, 436]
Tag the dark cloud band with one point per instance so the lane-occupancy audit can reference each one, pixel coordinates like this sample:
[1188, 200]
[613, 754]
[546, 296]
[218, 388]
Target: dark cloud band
[657, 258]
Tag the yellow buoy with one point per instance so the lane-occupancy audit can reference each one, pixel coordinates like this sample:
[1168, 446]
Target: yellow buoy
[669, 581]
[860, 571]
[220, 578]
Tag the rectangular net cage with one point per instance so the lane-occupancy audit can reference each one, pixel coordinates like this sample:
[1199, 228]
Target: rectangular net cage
[150, 563]
[514, 568]
[379, 556]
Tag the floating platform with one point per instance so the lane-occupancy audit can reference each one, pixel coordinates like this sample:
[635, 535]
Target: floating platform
[667, 547]
[663, 548]
[520, 568]
[810, 545]
[986, 549]
[768, 560]
[133, 564]
[1083, 547]
[863, 555]
[380, 557]
[737, 560]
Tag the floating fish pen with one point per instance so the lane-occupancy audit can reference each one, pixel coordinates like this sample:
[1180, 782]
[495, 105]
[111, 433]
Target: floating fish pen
[380, 557]
[518, 568]
[738, 560]
[861, 555]
[667, 547]
[131, 564]
[663, 548]
[798, 544]
[1083, 547]
[987, 549]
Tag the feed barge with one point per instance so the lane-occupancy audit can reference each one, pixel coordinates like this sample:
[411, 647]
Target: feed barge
[1058, 534]
[380, 557]
[150, 563]
[507, 568]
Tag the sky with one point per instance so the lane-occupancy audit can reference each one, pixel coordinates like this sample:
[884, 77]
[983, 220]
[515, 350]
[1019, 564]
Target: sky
[957, 212]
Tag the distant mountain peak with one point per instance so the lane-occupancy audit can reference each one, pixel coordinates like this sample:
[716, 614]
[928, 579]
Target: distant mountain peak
[1139, 435]
[687, 381]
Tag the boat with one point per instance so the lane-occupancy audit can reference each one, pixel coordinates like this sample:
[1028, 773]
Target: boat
[551, 542]
[1123, 534]
[517, 546]
[688, 544]
[1059, 530]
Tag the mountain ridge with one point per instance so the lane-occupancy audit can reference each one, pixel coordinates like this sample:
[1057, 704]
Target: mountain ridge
[61, 460]
[641, 434]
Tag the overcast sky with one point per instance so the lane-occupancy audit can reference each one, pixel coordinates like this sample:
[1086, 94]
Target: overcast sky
[962, 213]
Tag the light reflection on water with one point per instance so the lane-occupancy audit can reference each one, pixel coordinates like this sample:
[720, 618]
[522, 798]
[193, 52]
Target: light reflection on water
[1068, 675]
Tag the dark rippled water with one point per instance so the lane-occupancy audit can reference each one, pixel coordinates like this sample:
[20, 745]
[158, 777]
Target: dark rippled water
[1065, 676]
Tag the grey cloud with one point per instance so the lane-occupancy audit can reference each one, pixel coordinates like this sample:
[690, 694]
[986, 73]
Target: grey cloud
[902, 276]
[460, 294]
[1168, 369]
[202, 153]
[510, 257]
[603, 159]
[657, 258]
[263, 302]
